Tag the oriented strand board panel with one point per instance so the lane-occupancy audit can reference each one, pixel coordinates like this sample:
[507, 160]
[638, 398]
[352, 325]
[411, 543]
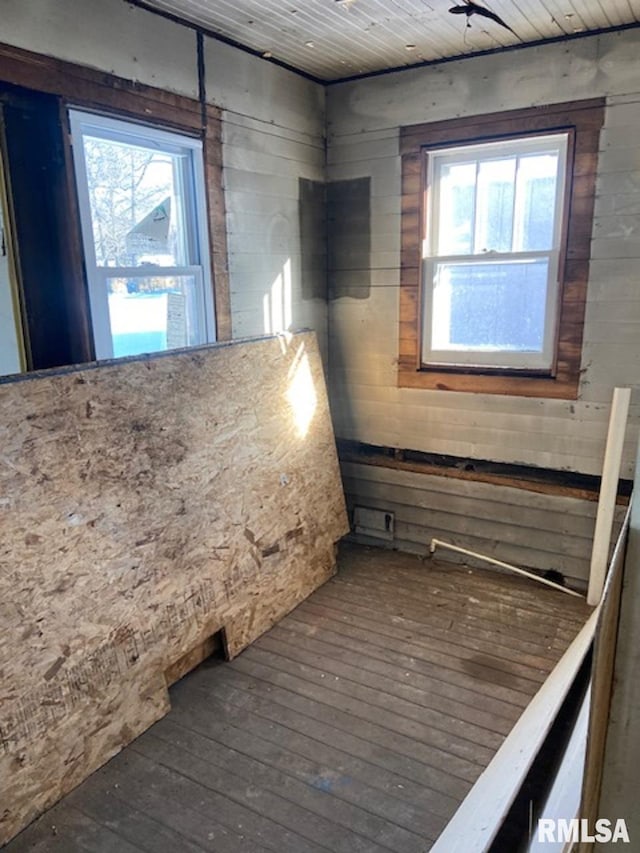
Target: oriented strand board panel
[144, 505]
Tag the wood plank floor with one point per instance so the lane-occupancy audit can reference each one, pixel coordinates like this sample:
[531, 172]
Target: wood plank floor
[359, 723]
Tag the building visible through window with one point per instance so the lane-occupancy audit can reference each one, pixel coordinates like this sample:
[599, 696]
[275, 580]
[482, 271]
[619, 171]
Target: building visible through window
[142, 213]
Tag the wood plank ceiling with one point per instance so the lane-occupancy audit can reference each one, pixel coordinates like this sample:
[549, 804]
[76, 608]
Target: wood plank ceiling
[334, 39]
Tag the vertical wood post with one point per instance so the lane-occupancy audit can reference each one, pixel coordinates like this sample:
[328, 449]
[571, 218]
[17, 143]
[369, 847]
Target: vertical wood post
[608, 493]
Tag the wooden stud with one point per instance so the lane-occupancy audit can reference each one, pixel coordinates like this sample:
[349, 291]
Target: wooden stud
[608, 492]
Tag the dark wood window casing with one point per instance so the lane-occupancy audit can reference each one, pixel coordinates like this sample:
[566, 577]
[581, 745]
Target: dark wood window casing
[57, 320]
[582, 120]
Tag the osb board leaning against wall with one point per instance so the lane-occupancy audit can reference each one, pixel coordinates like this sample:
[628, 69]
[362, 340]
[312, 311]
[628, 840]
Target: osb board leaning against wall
[144, 505]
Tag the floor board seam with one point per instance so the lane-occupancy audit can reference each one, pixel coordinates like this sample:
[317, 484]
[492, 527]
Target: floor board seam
[246, 805]
[422, 784]
[303, 782]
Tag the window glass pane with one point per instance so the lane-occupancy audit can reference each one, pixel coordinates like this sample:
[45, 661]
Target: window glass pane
[490, 306]
[143, 215]
[492, 248]
[494, 213]
[149, 314]
[457, 187]
[536, 194]
[10, 327]
[137, 203]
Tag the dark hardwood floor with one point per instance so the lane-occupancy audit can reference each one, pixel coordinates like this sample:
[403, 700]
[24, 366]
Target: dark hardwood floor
[358, 723]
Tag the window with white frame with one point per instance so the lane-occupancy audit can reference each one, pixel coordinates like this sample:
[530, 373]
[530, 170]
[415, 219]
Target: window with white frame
[491, 253]
[143, 218]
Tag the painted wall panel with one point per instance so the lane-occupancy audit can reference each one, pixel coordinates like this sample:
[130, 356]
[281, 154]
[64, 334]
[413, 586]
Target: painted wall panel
[246, 85]
[363, 120]
[539, 75]
[277, 259]
[109, 35]
[273, 140]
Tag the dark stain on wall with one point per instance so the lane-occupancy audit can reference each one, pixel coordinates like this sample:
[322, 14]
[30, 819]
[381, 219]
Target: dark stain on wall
[349, 238]
[312, 212]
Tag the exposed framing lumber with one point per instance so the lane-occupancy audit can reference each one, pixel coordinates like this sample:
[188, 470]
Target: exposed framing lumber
[621, 758]
[602, 682]
[538, 480]
[608, 491]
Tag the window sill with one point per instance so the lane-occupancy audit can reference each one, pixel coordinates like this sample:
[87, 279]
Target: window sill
[562, 387]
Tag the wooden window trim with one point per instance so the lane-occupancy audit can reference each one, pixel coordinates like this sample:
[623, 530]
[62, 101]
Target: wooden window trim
[86, 88]
[583, 120]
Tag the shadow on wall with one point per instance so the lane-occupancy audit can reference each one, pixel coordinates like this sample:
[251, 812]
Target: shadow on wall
[312, 217]
[348, 274]
[334, 262]
[349, 238]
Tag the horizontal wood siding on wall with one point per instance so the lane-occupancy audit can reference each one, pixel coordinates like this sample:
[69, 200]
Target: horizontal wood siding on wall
[272, 132]
[530, 530]
[107, 35]
[364, 120]
[263, 168]
[611, 350]
[273, 137]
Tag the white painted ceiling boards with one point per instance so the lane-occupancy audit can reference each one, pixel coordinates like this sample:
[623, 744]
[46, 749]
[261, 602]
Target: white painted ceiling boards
[334, 39]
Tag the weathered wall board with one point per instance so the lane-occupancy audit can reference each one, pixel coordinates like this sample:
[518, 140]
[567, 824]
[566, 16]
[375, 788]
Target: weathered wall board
[144, 505]
[364, 119]
[273, 148]
[272, 132]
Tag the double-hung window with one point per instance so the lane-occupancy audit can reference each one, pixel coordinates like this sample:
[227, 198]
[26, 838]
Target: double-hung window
[497, 218]
[491, 253]
[143, 218]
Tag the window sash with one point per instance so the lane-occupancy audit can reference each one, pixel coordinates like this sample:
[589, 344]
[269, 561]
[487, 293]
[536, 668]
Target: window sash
[493, 356]
[497, 357]
[191, 180]
[103, 333]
